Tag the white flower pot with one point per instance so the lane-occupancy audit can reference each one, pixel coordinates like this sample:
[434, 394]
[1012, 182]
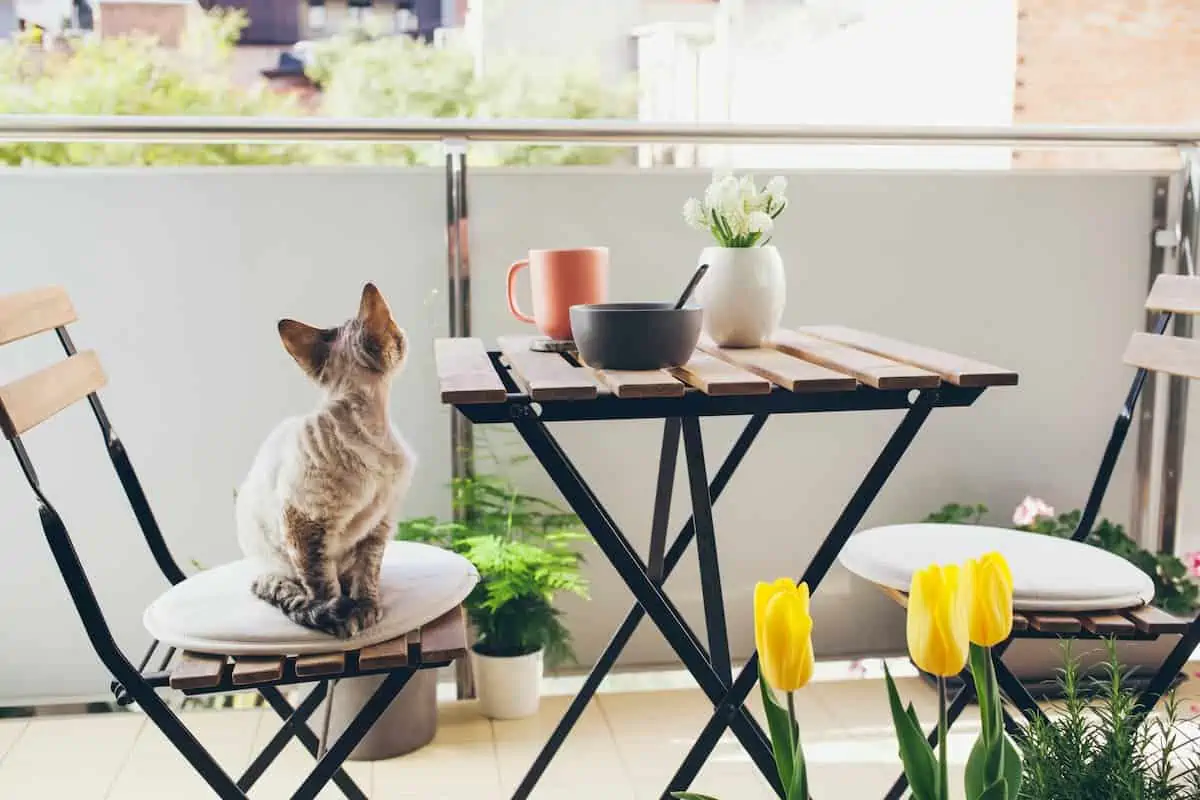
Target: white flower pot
[508, 688]
[742, 294]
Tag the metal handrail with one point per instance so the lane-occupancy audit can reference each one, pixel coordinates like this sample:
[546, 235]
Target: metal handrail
[44, 128]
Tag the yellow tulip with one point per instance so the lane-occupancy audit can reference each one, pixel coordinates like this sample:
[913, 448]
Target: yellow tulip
[991, 614]
[938, 605]
[783, 634]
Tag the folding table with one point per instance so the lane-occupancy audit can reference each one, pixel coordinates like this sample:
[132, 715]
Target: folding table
[808, 370]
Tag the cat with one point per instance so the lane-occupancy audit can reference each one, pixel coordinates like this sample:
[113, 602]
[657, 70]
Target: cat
[319, 503]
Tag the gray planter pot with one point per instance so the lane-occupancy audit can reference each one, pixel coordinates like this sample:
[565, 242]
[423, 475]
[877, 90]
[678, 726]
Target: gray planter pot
[409, 723]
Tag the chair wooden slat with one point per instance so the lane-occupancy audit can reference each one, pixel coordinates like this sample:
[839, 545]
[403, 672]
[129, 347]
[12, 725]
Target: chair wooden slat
[35, 398]
[466, 373]
[254, 670]
[445, 638]
[35, 311]
[628, 384]
[959, 370]
[871, 369]
[1053, 623]
[1177, 293]
[320, 664]
[1020, 621]
[718, 378]
[1173, 354]
[1108, 624]
[546, 376]
[1149, 619]
[793, 374]
[197, 671]
[385, 655]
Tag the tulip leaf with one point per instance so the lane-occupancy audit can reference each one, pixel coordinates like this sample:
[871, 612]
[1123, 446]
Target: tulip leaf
[997, 791]
[1006, 766]
[973, 774]
[797, 788]
[781, 730]
[1011, 767]
[691, 796]
[920, 766]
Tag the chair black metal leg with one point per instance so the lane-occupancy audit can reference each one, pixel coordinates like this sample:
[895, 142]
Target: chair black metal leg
[308, 738]
[620, 639]
[332, 760]
[706, 552]
[177, 733]
[291, 725]
[625, 560]
[1014, 690]
[1161, 682]
[821, 563]
[656, 558]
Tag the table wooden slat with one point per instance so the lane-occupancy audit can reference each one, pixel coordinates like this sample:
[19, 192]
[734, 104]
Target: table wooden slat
[1053, 623]
[873, 370]
[1177, 293]
[1152, 620]
[1020, 621]
[546, 376]
[793, 374]
[385, 655]
[445, 637]
[959, 370]
[197, 671]
[629, 384]
[320, 664]
[466, 373]
[250, 670]
[718, 378]
[1108, 624]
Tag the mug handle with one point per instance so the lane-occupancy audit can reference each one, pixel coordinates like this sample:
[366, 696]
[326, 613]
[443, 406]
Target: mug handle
[513, 269]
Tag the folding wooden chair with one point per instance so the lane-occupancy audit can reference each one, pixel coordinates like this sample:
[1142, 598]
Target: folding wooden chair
[1062, 588]
[436, 642]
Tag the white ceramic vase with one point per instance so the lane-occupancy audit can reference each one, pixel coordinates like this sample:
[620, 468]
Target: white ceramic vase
[742, 294]
[508, 688]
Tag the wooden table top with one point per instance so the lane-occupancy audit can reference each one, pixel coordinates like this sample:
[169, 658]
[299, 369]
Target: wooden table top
[814, 359]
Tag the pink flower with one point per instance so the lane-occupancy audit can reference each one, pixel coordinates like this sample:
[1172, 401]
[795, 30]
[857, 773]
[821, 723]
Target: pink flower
[1030, 509]
[1192, 560]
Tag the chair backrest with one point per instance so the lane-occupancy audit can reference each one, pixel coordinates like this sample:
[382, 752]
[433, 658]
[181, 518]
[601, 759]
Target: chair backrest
[32, 400]
[1171, 294]
[1149, 352]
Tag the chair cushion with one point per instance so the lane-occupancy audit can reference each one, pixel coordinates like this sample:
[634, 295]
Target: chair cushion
[214, 611]
[1049, 574]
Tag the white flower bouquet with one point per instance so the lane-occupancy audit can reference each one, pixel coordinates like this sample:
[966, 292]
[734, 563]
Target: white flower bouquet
[736, 212]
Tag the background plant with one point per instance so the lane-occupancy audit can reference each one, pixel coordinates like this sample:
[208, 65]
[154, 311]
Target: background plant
[1102, 749]
[1174, 589]
[524, 549]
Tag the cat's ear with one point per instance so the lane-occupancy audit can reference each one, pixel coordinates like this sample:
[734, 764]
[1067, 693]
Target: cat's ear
[373, 311]
[306, 344]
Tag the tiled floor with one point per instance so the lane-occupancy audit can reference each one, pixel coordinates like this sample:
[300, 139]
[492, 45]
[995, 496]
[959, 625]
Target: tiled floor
[625, 746]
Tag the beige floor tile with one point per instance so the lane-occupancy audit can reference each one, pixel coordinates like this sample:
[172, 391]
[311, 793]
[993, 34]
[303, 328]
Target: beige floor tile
[69, 757]
[155, 763]
[10, 731]
[440, 772]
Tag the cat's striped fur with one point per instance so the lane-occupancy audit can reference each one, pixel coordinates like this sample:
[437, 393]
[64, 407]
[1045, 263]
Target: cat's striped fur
[320, 501]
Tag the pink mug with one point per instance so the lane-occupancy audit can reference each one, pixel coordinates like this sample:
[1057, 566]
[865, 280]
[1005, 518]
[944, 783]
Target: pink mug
[560, 279]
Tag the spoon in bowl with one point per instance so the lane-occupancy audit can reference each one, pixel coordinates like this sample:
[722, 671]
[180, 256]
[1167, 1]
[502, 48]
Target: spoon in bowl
[691, 286]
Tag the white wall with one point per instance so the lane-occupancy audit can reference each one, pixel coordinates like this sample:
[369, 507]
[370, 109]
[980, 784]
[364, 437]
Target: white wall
[179, 276]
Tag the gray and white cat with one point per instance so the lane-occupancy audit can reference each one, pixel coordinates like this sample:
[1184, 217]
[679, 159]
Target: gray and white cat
[320, 501]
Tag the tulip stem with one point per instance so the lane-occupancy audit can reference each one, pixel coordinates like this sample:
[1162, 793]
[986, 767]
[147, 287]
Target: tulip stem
[943, 768]
[792, 723]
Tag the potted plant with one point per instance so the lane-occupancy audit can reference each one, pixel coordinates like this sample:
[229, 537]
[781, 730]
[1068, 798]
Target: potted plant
[1037, 662]
[523, 548]
[744, 290]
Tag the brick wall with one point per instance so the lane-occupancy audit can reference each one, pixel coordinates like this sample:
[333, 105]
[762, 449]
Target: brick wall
[1106, 62]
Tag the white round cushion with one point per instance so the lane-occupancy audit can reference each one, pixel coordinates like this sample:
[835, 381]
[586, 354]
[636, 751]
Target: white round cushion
[1049, 573]
[215, 612]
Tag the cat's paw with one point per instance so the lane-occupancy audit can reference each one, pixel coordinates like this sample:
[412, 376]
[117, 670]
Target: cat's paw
[331, 616]
[365, 614]
[281, 591]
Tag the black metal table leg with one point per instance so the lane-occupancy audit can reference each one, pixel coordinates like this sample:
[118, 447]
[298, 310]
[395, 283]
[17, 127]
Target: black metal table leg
[706, 552]
[662, 499]
[821, 563]
[625, 560]
[616, 645]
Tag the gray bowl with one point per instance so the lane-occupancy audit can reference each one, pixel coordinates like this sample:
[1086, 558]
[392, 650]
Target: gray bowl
[635, 336]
